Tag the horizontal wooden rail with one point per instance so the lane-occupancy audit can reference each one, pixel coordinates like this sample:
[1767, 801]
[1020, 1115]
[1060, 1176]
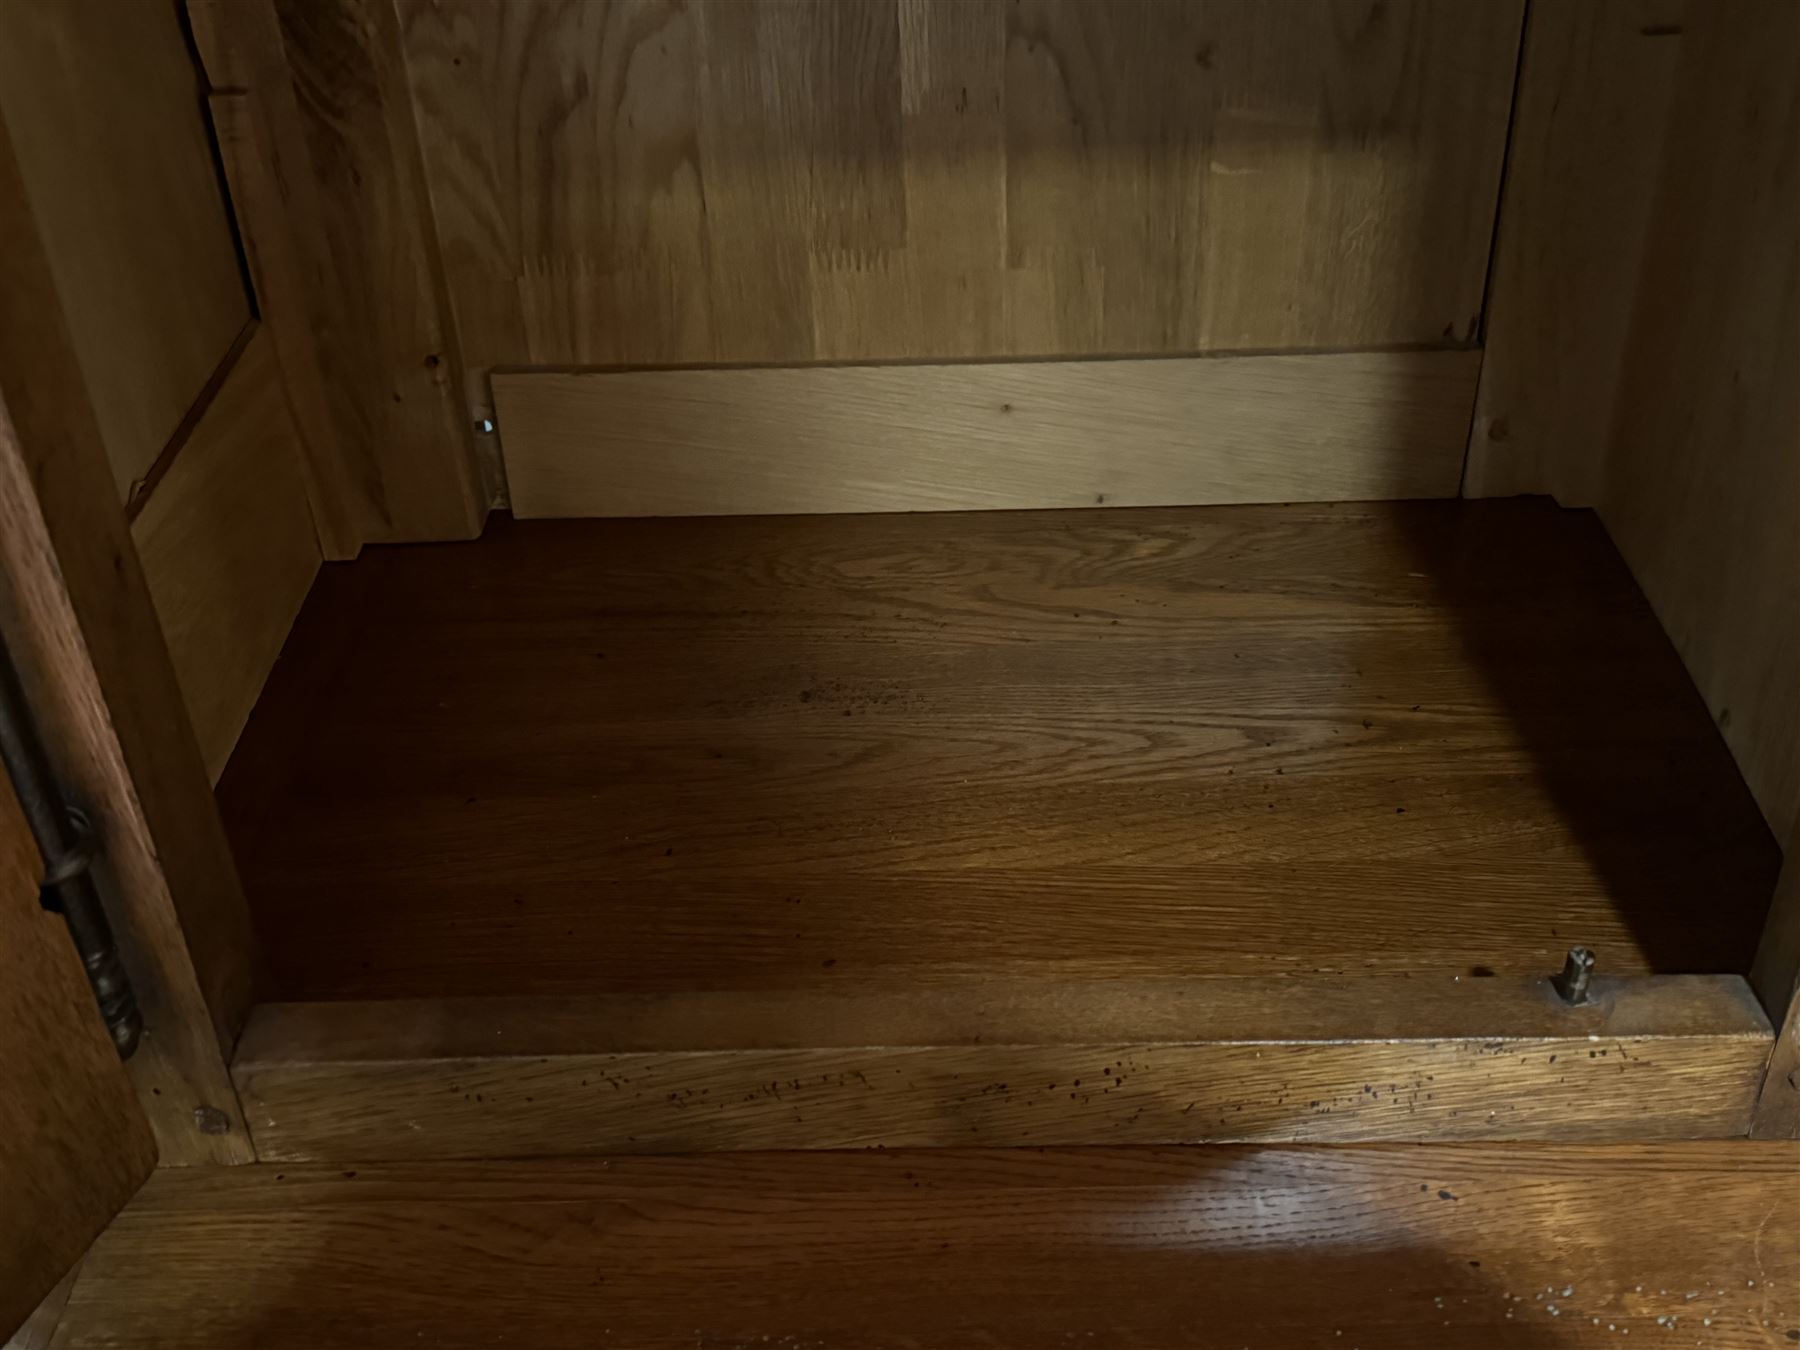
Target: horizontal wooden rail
[1346, 426]
[1164, 1061]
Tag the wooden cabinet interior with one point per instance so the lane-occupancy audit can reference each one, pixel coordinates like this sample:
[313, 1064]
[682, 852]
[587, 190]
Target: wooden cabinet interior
[1267, 715]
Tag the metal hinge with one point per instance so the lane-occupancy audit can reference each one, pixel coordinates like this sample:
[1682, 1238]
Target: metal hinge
[65, 839]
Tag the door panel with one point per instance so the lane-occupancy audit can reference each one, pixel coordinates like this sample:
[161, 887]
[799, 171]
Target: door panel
[103, 104]
[73, 1144]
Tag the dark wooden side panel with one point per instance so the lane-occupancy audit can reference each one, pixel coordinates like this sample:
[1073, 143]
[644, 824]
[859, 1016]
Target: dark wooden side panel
[733, 180]
[1323, 1060]
[73, 1143]
[78, 617]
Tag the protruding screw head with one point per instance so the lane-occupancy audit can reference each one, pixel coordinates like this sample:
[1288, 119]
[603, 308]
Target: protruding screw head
[1572, 982]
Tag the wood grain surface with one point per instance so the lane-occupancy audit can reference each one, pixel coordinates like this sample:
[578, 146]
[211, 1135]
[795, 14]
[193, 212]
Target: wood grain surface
[665, 183]
[80, 623]
[1318, 1059]
[228, 547]
[73, 1144]
[1641, 332]
[1411, 1248]
[1596, 89]
[388, 339]
[786, 753]
[1704, 470]
[1349, 427]
[113, 151]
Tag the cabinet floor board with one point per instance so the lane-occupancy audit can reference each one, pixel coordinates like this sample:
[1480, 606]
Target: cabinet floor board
[1302, 1248]
[755, 753]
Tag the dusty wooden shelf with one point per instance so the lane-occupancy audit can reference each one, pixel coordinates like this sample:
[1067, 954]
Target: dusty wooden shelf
[809, 752]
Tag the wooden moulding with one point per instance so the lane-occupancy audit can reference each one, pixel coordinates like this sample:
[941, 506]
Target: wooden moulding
[1316, 1059]
[228, 548]
[1157, 432]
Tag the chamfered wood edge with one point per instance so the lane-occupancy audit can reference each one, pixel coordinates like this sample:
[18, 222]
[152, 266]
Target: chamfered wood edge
[986, 435]
[1021, 1011]
[1320, 1059]
[40, 1326]
[1776, 978]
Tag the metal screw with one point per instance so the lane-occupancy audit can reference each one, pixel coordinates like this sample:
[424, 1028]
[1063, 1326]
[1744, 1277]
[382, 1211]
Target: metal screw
[485, 425]
[1572, 982]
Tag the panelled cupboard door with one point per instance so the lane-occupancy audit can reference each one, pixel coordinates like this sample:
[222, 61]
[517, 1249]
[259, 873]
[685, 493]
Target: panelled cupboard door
[74, 1145]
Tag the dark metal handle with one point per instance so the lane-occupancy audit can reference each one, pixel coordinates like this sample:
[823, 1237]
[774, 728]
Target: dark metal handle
[65, 840]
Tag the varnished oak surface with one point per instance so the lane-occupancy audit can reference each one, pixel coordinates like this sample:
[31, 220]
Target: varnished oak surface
[1354, 1058]
[664, 755]
[950, 178]
[1276, 1249]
